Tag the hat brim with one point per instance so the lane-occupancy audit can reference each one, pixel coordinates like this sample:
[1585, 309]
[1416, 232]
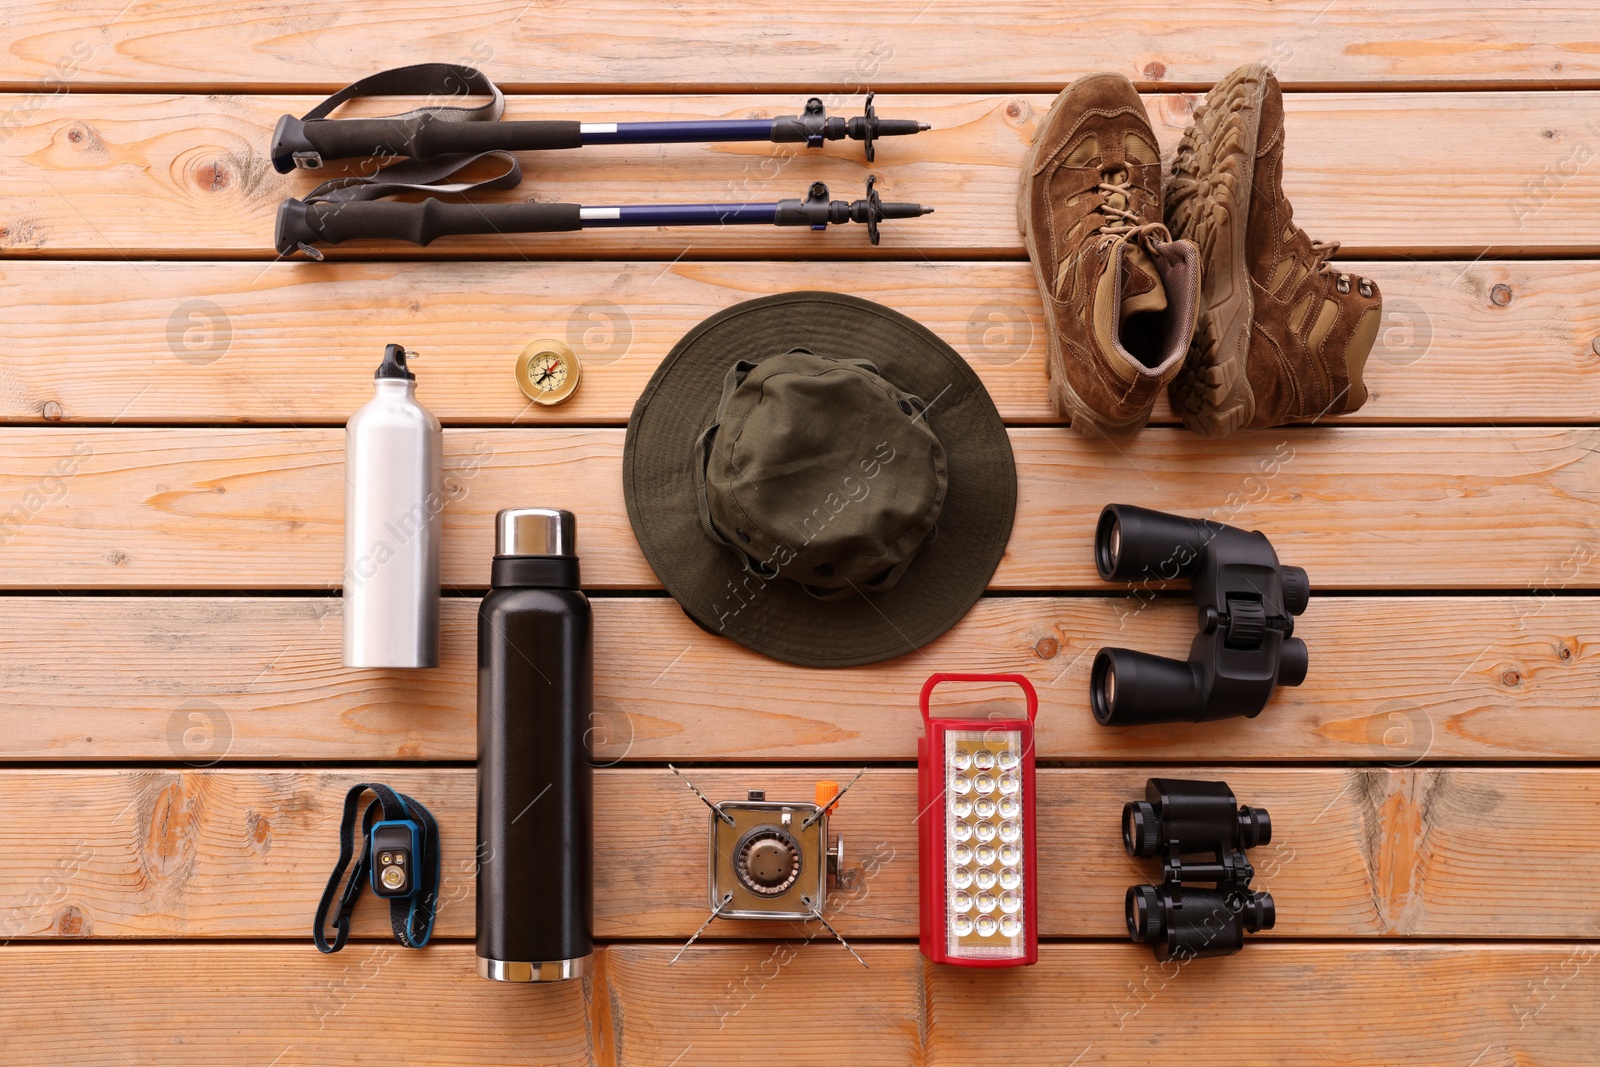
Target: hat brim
[777, 617]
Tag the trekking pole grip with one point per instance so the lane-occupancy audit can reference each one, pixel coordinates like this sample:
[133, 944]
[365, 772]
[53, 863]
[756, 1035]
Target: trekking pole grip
[332, 222]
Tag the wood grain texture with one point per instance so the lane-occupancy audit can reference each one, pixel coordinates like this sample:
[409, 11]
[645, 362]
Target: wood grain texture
[104, 508]
[179, 395]
[1372, 1005]
[827, 45]
[198, 680]
[174, 175]
[216, 342]
[1358, 852]
[1357, 1005]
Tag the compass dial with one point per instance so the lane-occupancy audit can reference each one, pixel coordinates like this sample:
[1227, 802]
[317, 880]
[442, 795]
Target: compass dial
[548, 372]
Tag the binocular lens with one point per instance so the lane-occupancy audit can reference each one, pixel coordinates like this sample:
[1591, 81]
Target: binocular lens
[1141, 829]
[1128, 688]
[1103, 687]
[1109, 545]
[1142, 906]
[1139, 545]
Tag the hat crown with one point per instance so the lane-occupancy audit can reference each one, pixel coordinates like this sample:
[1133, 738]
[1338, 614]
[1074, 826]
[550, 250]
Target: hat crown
[822, 471]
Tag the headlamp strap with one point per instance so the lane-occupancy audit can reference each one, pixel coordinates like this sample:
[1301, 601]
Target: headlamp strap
[411, 918]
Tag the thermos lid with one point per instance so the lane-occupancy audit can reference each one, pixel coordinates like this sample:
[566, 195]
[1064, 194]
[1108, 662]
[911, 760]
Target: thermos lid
[535, 532]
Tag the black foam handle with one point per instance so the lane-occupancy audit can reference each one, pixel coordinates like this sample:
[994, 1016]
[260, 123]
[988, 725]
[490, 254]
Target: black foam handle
[331, 222]
[416, 136]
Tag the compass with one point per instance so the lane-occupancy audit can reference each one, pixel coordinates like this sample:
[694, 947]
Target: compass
[548, 372]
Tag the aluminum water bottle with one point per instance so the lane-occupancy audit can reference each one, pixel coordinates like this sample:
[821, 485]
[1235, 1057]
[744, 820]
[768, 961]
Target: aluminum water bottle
[393, 463]
[535, 768]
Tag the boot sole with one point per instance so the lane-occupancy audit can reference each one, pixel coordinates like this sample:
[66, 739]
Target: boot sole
[1080, 416]
[1212, 394]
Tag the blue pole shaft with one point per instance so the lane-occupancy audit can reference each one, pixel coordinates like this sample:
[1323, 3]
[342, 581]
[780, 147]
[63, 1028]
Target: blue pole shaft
[694, 130]
[679, 215]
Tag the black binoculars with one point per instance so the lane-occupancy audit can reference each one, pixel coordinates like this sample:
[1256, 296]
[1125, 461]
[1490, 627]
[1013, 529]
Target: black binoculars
[1247, 601]
[1201, 820]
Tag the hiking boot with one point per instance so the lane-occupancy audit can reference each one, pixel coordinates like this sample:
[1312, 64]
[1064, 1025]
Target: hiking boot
[1283, 334]
[1119, 294]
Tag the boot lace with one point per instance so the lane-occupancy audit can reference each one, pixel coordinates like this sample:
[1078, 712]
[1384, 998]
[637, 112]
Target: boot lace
[1324, 251]
[1119, 223]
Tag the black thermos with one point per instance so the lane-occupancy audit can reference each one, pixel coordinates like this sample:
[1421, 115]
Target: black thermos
[535, 770]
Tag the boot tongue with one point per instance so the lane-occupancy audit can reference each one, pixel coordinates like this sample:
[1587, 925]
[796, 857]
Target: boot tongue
[1141, 285]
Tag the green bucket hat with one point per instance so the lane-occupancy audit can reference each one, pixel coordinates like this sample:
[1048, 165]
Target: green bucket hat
[820, 479]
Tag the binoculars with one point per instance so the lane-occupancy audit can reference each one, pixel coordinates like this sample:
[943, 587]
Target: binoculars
[1203, 821]
[1247, 601]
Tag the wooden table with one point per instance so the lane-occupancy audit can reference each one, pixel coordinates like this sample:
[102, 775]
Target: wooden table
[180, 732]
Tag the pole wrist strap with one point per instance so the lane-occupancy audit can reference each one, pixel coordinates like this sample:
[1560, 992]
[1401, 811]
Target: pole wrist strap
[411, 175]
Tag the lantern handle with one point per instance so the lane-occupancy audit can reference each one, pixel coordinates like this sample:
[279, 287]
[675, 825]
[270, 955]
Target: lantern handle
[1018, 679]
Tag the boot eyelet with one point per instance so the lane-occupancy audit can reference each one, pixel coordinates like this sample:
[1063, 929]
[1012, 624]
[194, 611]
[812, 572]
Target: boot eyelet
[1365, 287]
[1344, 284]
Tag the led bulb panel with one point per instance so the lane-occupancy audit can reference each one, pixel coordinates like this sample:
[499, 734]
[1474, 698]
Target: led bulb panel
[984, 860]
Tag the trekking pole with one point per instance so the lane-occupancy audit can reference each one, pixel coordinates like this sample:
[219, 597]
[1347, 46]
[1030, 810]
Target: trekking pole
[305, 223]
[308, 143]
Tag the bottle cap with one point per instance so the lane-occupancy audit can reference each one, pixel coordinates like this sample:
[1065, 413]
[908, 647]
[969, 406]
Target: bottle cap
[535, 532]
[394, 364]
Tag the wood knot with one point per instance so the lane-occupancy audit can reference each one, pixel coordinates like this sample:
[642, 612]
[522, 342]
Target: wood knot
[215, 176]
[76, 135]
[51, 411]
[1511, 679]
[258, 832]
[73, 921]
[171, 830]
[1500, 295]
[1047, 648]
[1565, 654]
[1155, 71]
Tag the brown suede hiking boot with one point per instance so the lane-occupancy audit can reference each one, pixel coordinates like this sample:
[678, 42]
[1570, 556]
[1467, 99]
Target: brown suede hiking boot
[1119, 294]
[1283, 335]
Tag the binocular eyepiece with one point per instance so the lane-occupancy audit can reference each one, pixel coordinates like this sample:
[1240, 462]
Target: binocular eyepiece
[1201, 820]
[1246, 602]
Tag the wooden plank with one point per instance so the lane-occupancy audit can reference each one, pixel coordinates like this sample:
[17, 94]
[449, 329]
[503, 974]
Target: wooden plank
[184, 1005]
[1360, 1005]
[827, 45]
[140, 175]
[1359, 852]
[1357, 1006]
[197, 680]
[219, 342]
[104, 508]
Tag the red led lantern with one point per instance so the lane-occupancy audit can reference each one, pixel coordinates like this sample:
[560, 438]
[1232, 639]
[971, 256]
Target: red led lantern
[975, 803]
